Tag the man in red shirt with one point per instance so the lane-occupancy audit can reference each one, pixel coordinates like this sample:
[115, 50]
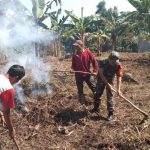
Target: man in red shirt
[108, 68]
[81, 61]
[14, 74]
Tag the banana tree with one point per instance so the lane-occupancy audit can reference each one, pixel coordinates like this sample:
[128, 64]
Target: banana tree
[113, 22]
[141, 17]
[77, 28]
[101, 8]
[41, 7]
[39, 10]
[88, 29]
[58, 26]
[138, 21]
[97, 31]
[81, 28]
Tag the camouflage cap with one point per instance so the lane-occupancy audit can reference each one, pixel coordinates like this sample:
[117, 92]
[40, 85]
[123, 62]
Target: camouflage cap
[114, 56]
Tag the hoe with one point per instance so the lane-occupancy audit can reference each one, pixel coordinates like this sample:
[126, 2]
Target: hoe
[138, 109]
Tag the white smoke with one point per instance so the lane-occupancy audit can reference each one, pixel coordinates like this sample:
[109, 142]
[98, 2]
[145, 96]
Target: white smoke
[20, 97]
[18, 33]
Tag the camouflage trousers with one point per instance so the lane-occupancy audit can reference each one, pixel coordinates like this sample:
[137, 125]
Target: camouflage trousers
[100, 87]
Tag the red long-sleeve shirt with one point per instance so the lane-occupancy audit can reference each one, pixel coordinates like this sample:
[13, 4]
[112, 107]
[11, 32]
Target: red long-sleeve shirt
[82, 62]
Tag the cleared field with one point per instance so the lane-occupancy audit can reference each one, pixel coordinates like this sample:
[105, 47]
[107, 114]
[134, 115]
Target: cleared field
[59, 110]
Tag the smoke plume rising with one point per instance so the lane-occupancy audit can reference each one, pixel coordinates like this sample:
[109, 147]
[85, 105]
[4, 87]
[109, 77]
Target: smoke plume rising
[18, 34]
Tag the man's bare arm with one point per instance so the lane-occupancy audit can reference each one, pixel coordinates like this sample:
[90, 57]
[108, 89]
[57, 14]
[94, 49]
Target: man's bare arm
[119, 80]
[8, 119]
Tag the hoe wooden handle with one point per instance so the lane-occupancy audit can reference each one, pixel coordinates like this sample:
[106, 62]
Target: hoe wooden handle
[144, 113]
[73, 71]
[16, 144]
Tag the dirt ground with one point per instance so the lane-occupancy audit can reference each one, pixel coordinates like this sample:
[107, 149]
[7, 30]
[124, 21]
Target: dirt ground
[57, 121]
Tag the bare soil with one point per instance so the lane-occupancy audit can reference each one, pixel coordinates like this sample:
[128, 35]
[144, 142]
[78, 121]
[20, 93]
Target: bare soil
[57, 121]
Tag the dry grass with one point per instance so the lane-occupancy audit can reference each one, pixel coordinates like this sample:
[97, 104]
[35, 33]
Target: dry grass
[38, 129]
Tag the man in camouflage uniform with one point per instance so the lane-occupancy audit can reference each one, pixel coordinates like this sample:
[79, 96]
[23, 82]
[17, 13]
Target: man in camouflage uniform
[108, 68]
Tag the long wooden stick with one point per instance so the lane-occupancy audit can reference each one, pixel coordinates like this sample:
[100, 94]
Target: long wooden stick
[73, 71]
[82, 72]
[144, 113]
[16, 144]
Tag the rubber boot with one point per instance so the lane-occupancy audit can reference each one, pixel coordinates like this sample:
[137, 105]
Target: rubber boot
[110, 116]
[96, 108]
[82, 99]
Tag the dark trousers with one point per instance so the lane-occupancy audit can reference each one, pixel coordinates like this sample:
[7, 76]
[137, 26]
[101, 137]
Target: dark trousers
[79, 82]
[99, 91]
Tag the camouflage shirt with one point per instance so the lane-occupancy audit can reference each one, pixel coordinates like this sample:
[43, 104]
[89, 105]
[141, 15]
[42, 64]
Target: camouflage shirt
[109, 71]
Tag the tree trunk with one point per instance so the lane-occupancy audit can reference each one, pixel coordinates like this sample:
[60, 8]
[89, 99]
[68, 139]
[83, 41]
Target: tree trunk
[113, 42]
[36, 48]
